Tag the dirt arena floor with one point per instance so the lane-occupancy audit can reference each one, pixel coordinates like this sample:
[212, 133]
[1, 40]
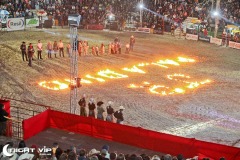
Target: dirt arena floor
[210, 112]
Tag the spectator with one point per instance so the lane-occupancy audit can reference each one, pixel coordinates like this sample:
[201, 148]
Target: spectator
[61, 50]
[23, 49]
[110, 112]
[39, 48]
[91, 107]
[3, 120]
[119, 115]
[82, 104]
[100, 110]
[49, 49]
[30, 54]
[113, 156]
[82, 155]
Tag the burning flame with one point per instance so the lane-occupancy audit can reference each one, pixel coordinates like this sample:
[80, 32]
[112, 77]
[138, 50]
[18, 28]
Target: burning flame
[177, 75]
[168, 61]
[134, 69]
[153, 89]
[111, 74]
[98, 79]
[161, 65]
[82, 81]
[53, 85]
[196, 84]
[134, 86]
[179, 90]
[145, 84]
[182, 59]
[143, 64]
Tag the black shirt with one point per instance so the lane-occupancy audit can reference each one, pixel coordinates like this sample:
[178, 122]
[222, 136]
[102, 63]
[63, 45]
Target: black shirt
[2, 114]
[110, 110]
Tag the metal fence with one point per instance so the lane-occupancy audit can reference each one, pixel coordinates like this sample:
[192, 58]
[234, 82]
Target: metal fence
[21, 110]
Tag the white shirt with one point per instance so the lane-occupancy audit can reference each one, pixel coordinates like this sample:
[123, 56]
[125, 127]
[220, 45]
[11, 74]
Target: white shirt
[39, 46]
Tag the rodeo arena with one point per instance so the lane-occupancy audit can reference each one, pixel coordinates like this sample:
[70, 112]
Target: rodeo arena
[120, 80]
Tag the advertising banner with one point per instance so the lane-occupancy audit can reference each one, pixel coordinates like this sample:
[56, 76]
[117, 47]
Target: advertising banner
[201, 37]
[33, 22]
[231, 44]
[237, 46]
[14, 24]
[144, 30]
[191, 37]
[216, 41]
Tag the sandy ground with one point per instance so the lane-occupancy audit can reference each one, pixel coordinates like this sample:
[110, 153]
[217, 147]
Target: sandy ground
[210, 112]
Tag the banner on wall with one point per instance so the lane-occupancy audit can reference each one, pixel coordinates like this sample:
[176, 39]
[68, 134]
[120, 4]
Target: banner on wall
[201, 37]
[216, 41]
[144, 30]
[237, 46]
[191, 37]
[33, 22]
[14, 24]
[231, 44]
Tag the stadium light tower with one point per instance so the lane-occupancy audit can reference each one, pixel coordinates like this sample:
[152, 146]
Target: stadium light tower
[216, 14]
[141, 6]
[74, 21]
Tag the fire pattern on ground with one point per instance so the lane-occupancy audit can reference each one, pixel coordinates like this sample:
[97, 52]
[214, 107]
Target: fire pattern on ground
[107, 74]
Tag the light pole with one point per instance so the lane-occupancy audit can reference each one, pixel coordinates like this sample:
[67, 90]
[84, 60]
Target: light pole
[216, 18]
[141, 11]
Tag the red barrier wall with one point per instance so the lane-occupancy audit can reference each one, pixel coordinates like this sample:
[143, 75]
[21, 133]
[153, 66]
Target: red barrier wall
[138, 137]
[35, 125]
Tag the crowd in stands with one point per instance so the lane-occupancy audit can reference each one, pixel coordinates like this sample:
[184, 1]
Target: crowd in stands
[73, 153]
[98, 11]
[94, 12]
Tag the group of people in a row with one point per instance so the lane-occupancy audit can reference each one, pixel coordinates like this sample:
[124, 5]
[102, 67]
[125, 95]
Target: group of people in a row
[83, 49]
[112, 115]
[28, 52]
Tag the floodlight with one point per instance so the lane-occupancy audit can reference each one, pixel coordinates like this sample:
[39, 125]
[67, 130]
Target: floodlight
[215, 13]
[111, 16]
[141, 6]
[74, 20]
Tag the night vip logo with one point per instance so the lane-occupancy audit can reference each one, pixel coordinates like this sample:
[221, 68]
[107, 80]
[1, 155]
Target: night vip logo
[8, 152]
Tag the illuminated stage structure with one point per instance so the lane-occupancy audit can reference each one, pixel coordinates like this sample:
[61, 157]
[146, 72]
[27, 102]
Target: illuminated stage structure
[74, 21]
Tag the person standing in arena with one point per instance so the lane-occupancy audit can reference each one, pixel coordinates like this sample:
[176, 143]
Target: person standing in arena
[224, 38]
[61, 48]
[119, 115]
[23, 48]
[30, 54]
[100, 110]
[110, 112]
[69, 49]
[132, 42]
[49, 49]
[55, 48]
[82, 104]
[91, 107]
[39, 48]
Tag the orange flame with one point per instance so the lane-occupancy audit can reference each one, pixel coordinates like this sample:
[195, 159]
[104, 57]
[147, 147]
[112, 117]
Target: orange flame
[134, 69]
[168, 62]
[53, 85]
[182, 59]
[143, 64]
[98, 79]
[111, 74]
